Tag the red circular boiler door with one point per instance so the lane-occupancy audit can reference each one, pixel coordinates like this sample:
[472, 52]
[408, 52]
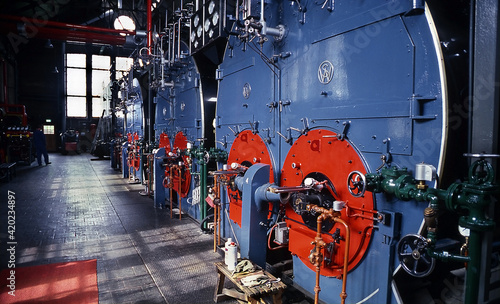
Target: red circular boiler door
[320, 155]
[165, 142]
[247, 149]
[180, 143]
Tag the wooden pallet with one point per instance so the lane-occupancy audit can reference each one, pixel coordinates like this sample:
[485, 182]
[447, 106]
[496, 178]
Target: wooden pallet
[263, 293]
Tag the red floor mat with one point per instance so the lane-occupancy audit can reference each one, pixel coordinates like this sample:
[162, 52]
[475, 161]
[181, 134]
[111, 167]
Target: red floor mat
[68, 283]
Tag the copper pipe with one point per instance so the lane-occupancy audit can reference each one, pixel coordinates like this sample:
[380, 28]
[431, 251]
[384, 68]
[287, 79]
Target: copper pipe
[343, 294]
[170, 187]
[218, 208]
[215, 216]
[316, 258]
[179, 168]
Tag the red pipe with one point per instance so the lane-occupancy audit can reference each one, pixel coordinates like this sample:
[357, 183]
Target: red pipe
[149, 25]
[67, 34]
[48, 23]
[63, 31]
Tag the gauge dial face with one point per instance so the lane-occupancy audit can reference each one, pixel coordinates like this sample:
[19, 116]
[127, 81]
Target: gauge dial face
[464, 231]
[211, 33]
[199, 30]
[211, 7]
[196, 20]
[215, 18]
[207, 25]
[193, 36]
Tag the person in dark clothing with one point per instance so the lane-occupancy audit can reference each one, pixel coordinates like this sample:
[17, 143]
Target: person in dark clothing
[40, 146]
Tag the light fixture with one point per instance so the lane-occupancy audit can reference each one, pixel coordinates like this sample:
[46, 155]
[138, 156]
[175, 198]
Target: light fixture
[124, 22]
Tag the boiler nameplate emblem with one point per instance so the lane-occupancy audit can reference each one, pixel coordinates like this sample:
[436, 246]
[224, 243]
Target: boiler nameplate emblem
[325, 72]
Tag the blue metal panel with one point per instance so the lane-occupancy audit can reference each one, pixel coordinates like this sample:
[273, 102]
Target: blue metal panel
[163, 114]
[159, 175]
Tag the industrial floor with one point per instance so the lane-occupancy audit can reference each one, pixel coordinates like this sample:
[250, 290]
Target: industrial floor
[78, 208]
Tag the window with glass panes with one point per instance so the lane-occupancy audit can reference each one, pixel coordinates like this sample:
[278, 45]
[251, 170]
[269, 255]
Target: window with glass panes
[77, 83]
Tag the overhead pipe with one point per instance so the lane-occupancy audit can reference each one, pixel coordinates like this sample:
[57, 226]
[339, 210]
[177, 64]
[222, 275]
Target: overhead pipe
[48, 23]
[113, 37]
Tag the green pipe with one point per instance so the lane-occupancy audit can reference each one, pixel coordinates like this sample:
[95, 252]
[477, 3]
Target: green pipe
[473, 267]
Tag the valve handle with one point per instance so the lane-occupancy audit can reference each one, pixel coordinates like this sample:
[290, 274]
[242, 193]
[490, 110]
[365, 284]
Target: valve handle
[413, 257]
[356, 183]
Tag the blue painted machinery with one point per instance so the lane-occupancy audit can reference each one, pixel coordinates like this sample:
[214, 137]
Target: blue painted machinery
[184, 113]
[316, 91]
[330, 125]
[134, 132]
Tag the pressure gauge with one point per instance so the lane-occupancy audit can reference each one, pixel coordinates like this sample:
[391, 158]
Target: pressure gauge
[211, 7]
[207, 25]
[196, 44]
[199, 31]
[193, 36]
[211, 33]
[196, 20]
[464, 231]
[215, 18]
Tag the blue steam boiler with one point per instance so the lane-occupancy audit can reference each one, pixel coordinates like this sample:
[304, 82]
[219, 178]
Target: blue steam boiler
[324, 93]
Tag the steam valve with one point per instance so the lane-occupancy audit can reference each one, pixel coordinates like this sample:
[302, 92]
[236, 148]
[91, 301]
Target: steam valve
[356, 183]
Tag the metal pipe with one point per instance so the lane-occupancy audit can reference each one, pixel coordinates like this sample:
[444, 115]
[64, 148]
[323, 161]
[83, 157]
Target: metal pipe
[170, 186]
[203, 186]
[173, 41]
[222, 172]
[67, 34]
[218, 208]
[343, 294]
[262, 11]
[317, 257]
[215, 215]
[290, 189]
[180, 191]
[179, 39]
[149, 26]
[47, 23]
